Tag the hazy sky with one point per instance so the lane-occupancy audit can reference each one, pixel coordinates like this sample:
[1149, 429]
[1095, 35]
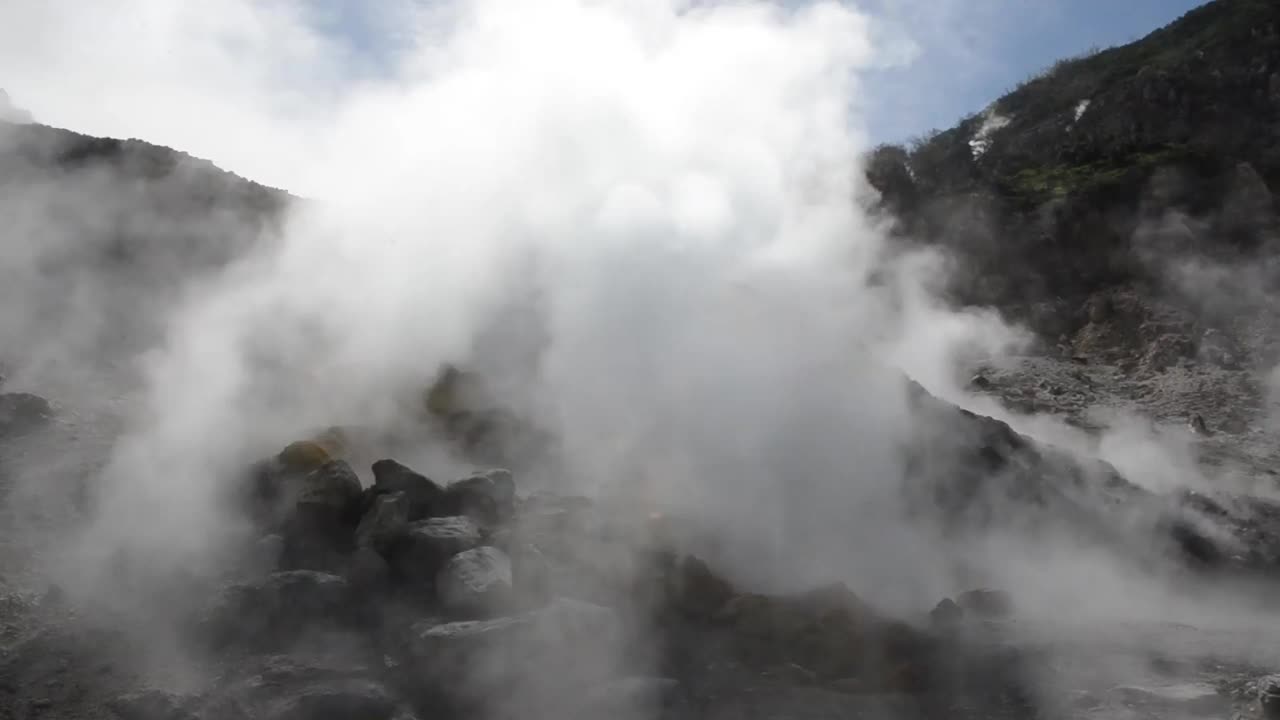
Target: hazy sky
[257, 85]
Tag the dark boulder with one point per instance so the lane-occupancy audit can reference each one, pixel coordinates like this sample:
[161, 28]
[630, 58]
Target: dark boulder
[279, 609]
[21, 413]
[322, 527]
[1269, 697]
[535, 659]
[946, 613]
[285, 687]
[694, 589]
[985, 603]
[367, 571]
[418, 554]
[487, 497]
[386, 519]
[830, 633]
[421, 495]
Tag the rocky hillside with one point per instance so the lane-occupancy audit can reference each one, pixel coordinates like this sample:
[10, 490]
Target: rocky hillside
[1145, 170]
[103, 233]
[406, 598]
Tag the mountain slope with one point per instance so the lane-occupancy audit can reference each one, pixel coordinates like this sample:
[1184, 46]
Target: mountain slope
[1138, 170]
[104, 235]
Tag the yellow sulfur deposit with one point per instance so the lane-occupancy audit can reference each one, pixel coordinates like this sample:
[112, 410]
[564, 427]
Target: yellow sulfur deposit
[334, 440]
[304, 455]
[442, 397]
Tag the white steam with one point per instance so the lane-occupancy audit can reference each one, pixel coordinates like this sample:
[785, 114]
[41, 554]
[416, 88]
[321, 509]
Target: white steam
[675, 181]
[682, 177]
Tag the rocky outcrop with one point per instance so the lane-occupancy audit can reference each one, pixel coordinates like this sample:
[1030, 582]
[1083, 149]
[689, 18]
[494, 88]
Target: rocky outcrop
[1112, 172]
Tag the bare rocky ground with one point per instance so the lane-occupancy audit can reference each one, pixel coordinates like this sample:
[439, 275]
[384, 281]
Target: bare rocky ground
[401, 598]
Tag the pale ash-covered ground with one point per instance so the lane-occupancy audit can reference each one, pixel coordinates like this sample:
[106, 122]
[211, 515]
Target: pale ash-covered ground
[1237, 444]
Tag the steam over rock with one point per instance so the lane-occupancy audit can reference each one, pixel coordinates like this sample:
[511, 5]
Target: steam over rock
[541, 658]
[22, 412]
[420, 496]
[475, 582]
[427, 545]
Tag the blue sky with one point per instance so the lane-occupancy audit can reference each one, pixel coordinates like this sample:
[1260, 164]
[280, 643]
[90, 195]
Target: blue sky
[969, 52]
[982, 48]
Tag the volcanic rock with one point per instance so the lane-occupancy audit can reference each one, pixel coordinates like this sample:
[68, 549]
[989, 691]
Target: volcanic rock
[152, 705]
[279, 608]
[486, 497]
[422, 550]
[985, 603]
[23, 412]
[386, 519]
[475, 582]
[421, 495]
[321, 529]
[532, 659]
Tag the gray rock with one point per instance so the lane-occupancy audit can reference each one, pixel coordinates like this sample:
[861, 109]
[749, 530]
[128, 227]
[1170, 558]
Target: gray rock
[1269, 697]
[278, 608]
[487, 497]
[333, 486]
[367, 571]
[475, 582]
[985, 603]
[151, 705]
[946, 613]
[531, 659]
[386, 519]
[421, 495]
[346, 699]
[321, 529]
[632, 696]
[1197, 698]
[314, 685]
[21, 413]
[268, 552]
[424, 548]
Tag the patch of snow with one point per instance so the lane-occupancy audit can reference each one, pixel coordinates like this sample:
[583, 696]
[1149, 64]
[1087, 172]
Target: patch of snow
[1080, 108]
[991, 122]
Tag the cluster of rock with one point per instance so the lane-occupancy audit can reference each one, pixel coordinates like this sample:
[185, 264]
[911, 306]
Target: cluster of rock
[466, 597]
